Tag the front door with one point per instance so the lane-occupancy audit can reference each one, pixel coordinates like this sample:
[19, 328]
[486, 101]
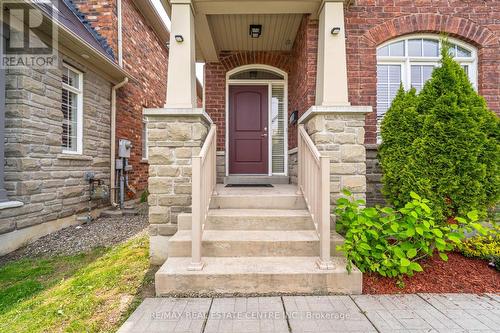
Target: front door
[248, 129]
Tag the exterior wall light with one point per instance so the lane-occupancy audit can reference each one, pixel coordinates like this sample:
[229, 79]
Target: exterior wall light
[179, 38]
[335, 30]
[255, 30]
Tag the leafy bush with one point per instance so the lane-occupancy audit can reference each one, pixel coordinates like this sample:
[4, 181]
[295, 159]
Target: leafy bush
[442, 143]
[144, 196]
[482, 246]
[391, 242]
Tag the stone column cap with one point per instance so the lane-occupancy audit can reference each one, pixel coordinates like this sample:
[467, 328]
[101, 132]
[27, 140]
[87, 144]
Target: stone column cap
[334, 109]
[177, 112]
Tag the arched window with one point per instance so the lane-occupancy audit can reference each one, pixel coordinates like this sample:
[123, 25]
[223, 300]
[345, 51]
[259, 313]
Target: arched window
[410, 60]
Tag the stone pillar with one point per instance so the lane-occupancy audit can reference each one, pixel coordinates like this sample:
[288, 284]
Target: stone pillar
[338, 132]
[331, 82]
[174, 136]
[3, 193]
[181, 78]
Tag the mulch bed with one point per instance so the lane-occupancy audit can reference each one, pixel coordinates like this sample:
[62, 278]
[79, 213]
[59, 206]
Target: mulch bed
[458, 275]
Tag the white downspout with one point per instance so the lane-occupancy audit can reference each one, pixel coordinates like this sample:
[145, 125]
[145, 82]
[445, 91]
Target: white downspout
[120, 37]
[113, 139]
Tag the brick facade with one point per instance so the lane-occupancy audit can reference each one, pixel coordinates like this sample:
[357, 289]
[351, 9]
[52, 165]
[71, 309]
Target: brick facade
[370, 23]
[146, 59]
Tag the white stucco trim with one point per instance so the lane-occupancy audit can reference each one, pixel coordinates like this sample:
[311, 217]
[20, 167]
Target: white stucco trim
[343, 109]
[10, 204]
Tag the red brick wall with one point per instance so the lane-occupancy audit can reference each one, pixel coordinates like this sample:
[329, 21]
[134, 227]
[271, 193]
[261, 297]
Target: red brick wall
[102, 16]
[302, 79]
[370, 23]
[145, 58]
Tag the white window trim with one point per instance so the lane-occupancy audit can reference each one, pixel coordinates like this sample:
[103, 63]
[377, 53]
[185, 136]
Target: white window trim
[79, 111]
[406, 61]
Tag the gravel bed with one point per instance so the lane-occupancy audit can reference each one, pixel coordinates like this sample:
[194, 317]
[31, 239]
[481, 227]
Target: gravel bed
[102, 232]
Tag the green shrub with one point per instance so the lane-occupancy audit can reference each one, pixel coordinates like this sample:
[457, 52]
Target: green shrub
[482, 246]
[144, 196]
[449, 152]
[400, 126]
[391, 242]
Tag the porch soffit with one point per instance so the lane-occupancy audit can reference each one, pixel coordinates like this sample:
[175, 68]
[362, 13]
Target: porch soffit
[222, 25]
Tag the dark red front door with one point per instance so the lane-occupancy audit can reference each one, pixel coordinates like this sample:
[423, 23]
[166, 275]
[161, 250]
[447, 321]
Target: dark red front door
[248, 124]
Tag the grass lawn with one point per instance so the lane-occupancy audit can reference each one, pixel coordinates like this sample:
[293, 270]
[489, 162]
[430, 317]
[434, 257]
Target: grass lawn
[90, 292]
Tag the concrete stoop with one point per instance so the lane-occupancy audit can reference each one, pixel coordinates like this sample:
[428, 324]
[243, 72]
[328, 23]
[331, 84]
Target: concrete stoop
[257, 241]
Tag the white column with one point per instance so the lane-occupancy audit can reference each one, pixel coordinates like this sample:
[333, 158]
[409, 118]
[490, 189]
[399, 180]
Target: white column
[181, 79]
[331, 83]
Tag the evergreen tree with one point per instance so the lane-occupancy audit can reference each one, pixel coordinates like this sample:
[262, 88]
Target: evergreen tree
[400, 127]
[454, 156]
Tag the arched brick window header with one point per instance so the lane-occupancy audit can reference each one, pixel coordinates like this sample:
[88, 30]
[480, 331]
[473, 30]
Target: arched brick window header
[457, 27]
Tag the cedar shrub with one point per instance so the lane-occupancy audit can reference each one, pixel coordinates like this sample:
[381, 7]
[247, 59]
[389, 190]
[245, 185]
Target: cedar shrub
[442, 143]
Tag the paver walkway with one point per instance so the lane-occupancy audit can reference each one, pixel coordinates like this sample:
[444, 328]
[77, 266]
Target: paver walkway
[363, 313]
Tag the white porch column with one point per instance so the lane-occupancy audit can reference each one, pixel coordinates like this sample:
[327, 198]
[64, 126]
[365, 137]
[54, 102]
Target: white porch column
[181, 79]
[331, 83]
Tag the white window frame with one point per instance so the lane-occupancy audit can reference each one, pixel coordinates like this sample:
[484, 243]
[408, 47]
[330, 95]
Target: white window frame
[79, 112]
[407, 61]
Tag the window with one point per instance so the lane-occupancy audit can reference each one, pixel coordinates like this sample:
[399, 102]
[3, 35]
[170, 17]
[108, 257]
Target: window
[72, 109]
[410, 61]
[144, 139]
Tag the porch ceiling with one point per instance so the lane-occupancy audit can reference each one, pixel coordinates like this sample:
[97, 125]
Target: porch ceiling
[230, 32]
[223, 24]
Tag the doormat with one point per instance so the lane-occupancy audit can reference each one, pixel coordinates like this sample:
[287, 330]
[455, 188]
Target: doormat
[249, 185]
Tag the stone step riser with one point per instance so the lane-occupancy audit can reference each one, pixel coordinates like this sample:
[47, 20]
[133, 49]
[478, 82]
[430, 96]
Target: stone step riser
[256, 284]
[255, 276]
[251, 248]
[258, 202]
[246, 222]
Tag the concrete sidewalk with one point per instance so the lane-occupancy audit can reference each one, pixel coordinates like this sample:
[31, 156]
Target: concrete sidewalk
[363, 313]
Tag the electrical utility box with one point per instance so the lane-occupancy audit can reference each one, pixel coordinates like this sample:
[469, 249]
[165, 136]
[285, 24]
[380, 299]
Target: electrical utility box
[124, 147]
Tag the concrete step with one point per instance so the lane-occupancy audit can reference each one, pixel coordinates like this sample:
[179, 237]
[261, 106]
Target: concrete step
[245, 180]
[254, 219]
[255, 276]
[263, 201]
[233, 243]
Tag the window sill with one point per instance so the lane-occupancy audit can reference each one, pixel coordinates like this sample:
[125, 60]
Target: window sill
[10, 204]
[74, 157]
[144, 161]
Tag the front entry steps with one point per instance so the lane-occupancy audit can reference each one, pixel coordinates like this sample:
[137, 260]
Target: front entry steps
[257, 241]
[252, 179]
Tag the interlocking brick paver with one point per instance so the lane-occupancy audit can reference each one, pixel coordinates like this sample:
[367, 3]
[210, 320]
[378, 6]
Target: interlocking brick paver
[325, 314]
[168, 315]
[470, 312]
[242, 314]
[442, 313]
[404, 313]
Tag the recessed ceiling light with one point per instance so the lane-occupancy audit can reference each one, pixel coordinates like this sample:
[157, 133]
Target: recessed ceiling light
[255, 30]
[85, 56]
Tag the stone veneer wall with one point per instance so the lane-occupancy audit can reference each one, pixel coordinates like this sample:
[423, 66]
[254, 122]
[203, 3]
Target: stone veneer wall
[51, 184]
[221, 166]
[340, 135]
[172, 141]
[373, 177]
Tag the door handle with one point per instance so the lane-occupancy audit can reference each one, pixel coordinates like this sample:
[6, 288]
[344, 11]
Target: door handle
[263, 135]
